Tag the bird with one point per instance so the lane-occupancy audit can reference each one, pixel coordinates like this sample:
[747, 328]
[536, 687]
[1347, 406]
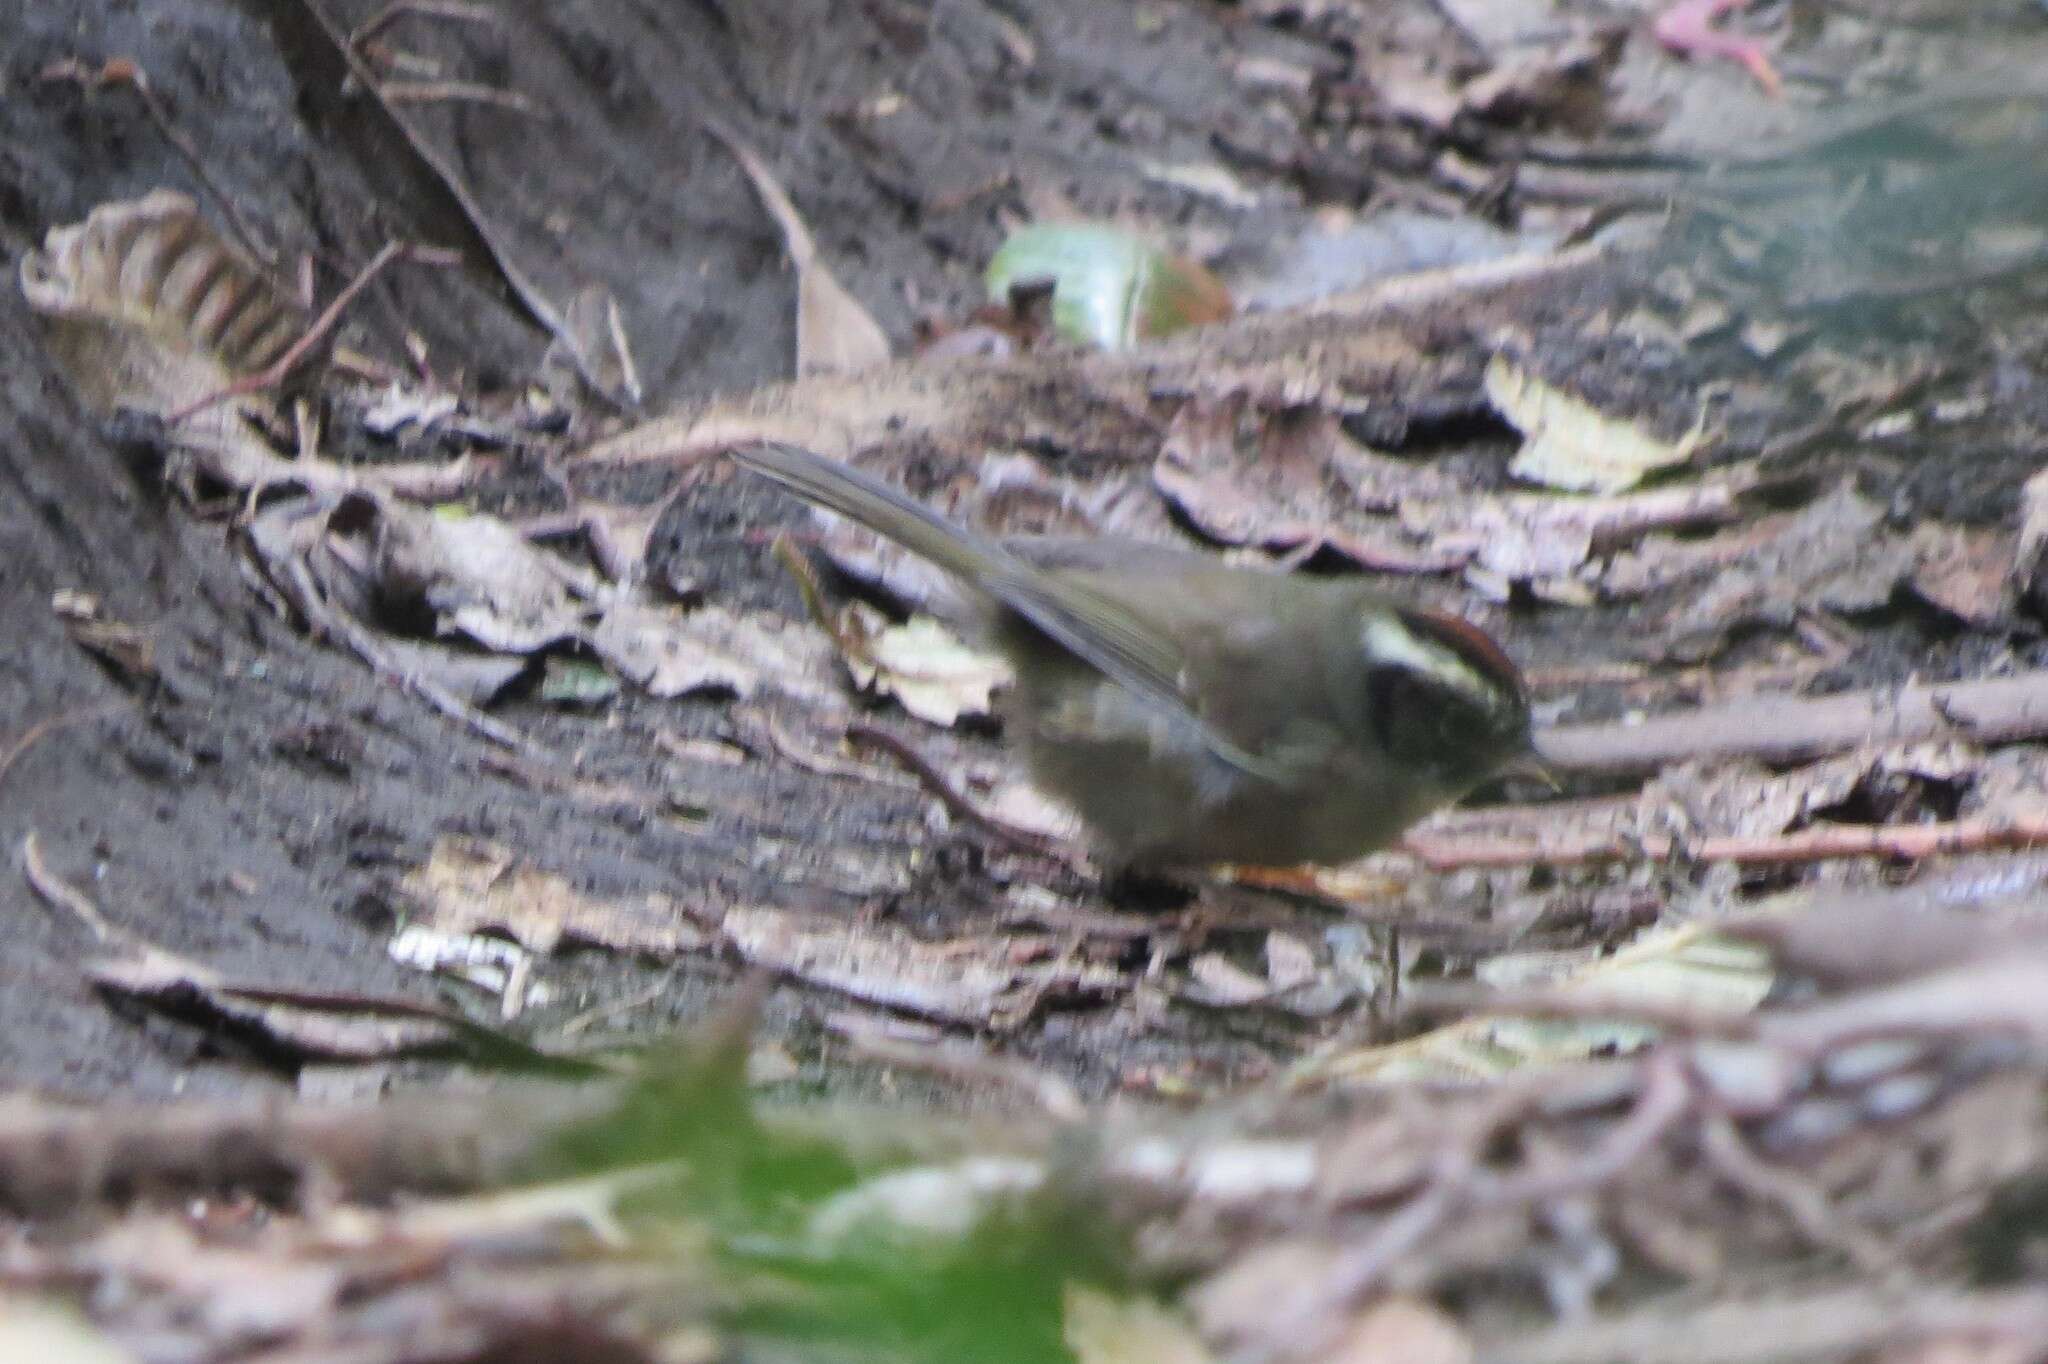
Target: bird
[1194, 712]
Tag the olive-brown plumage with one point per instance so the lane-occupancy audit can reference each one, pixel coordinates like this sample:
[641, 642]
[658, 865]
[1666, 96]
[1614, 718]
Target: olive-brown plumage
[1194, 712]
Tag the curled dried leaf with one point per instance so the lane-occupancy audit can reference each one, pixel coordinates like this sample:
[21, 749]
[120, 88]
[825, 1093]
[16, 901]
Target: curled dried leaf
[834, 333]
[153, 266]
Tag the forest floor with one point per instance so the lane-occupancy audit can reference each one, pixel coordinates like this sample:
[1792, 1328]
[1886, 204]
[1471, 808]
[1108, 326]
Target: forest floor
[442, 769]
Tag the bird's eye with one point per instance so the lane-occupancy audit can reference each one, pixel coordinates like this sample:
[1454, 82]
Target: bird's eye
[1398, 706]
[1415, 716]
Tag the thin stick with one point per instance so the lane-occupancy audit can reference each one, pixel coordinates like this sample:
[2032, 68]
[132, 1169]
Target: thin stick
[957, 1059]
[50, 725]
[1570, 1005]
[1789, 730]
[55, 890]
[126, 71]
[434, 9]
[459, 92]
[1804, 1203]
[1822, 843]
[957, 805]
[274, 373]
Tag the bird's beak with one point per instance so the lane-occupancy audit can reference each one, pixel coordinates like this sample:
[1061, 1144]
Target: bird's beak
[1532, 765]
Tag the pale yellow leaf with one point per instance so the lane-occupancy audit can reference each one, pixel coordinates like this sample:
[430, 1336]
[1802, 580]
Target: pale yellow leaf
[1568, 443]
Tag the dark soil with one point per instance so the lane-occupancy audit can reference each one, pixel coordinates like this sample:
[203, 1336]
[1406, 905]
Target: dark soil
[190, 808]
[255, 807]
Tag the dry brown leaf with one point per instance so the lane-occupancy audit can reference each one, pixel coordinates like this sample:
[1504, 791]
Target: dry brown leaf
[1268, 1288]
[1665, 561]
[1101, 1329]
[478, 577]
[1289, 961]
[258, 1290]
[1223, 982]
[921, 663]
[1845, 940]
[1546, 541]
[1988, 996]
[1695, 800]
[1401, 1331]
[671, 652]
[1963, 570]
[151, 268]
[1020, 805]
[147, 308]
[834, 334]
[467, 885]
[961, 982]
[1684, 967]
[1277, 479]
[473, 677]
[2030, 556]
[398, 405]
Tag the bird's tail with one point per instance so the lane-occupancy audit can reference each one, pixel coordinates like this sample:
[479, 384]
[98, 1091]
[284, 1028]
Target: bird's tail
[874, 504]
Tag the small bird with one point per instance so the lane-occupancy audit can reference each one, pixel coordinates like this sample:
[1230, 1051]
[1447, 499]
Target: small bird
[1192, 712]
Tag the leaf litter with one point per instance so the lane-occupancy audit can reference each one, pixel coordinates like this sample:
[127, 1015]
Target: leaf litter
[481, 581]
[1688, 1097]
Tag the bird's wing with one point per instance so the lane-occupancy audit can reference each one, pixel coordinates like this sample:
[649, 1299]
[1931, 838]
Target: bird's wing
[1089, 623]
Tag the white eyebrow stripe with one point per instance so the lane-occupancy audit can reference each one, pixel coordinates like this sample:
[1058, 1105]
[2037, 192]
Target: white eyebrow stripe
[1396, 643]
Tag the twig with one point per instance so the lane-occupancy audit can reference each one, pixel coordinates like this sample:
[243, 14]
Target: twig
[1580, 1005]
[1804, 1204]
[1837, 1323]
[1997, 710]
[56, 891]
[127, 71]
[969, 1063]
[1821, 843]
[462, 92]
[274, 373]
[824, 764]
[1664, 1095]
[339, 624]
[1460, 1183]
[50, 725]
[438, 9]
[495, 241]
[54, 1157]
[957, 805]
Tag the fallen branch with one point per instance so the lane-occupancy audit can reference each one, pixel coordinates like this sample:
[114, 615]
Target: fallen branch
[1821, 843]
[55, 1156]
[1789, 730]
[1828, 1324]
